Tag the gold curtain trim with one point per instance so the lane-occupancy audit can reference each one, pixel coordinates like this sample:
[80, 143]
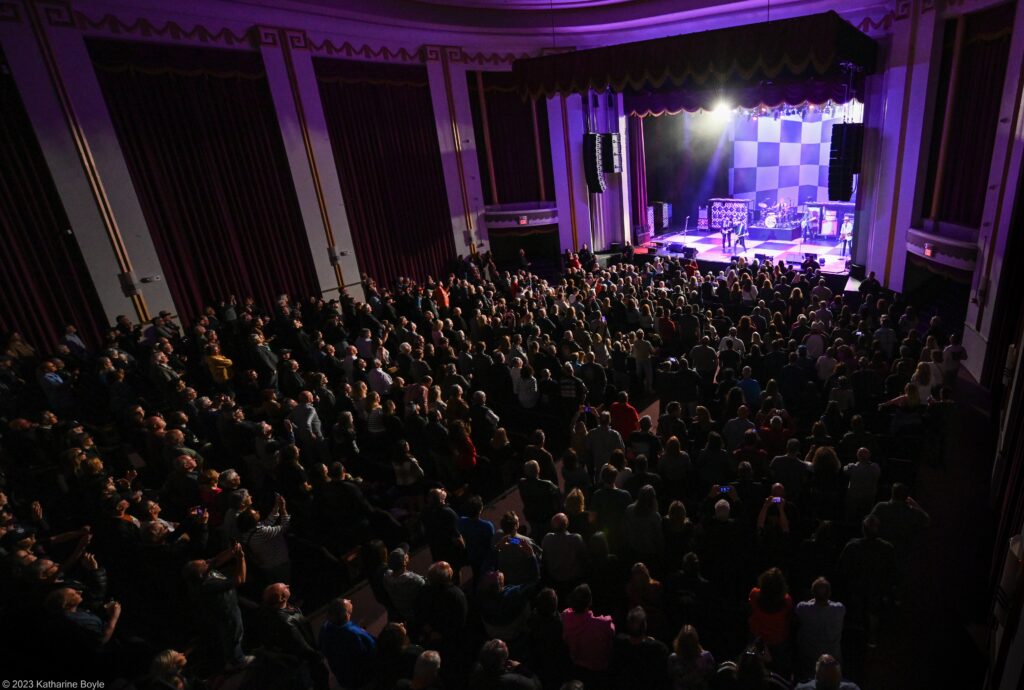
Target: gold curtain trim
[990, 36]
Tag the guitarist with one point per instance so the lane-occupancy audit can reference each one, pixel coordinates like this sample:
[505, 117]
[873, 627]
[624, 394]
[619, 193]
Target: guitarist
[741, 233]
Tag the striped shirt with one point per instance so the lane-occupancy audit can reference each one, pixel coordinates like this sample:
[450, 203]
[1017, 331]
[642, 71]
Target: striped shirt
[267, 541]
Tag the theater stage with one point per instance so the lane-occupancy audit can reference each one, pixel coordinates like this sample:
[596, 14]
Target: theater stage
[709, 248]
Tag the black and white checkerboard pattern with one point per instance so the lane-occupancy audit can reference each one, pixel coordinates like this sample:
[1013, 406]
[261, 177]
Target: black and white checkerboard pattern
[781, 159]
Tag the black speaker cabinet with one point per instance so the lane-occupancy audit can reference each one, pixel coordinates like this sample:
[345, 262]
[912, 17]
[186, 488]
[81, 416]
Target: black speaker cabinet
[611, 153]
[593, 163]
[844, 159]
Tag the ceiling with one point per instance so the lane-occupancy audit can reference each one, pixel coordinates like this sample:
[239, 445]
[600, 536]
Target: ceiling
[507, 16]
[526, 5]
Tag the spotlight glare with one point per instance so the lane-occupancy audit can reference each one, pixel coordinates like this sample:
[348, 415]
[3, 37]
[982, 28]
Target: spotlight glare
[722, 110]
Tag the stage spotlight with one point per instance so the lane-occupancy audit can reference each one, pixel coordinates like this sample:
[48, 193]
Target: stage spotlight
[722, 110]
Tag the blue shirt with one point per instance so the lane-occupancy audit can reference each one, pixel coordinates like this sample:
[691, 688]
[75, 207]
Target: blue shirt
[751, 391]
[478, 534]
[349, 651]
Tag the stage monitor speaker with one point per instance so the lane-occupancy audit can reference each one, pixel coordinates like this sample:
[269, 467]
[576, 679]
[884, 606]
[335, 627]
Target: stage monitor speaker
[810, 257]
[593, 166]
[844, 159]
[858, 271]
[611, 153]
[735, 258]
[763, 258]
[689, 252]
[676, 248]
[615, 248]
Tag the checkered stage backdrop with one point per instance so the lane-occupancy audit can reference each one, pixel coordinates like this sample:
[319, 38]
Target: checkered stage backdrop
[781, 159]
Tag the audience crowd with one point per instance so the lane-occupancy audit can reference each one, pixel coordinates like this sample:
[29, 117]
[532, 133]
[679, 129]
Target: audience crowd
[177, 503]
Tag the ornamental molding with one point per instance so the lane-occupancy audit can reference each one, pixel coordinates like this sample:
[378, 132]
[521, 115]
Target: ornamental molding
[61, 14]
[350, 51]
[111, 25]
[874, 25]
[944, 250]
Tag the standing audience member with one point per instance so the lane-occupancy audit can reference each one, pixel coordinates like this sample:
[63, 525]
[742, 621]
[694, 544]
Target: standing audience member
[819, 627]
[348, 649]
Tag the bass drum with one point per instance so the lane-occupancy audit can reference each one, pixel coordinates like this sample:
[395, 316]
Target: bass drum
[771, 220]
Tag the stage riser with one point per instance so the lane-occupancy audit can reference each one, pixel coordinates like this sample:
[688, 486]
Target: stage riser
[781, 234]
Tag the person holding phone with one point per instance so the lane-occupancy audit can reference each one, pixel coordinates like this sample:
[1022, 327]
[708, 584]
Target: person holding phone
[518, 555]
[264, 538]
[214, 596]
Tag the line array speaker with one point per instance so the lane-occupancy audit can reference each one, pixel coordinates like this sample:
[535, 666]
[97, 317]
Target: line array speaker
[844, 159]
[593, 162]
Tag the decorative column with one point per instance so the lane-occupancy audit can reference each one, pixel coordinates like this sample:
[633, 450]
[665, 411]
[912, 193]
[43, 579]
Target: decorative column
[293, 87]
[896, 137]
[1001, 196]
[449, 94]
[567, 125]
[51, 66]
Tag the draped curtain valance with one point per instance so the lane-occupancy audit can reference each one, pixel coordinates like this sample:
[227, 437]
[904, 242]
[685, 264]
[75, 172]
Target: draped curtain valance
[789, 50]
[674, 101]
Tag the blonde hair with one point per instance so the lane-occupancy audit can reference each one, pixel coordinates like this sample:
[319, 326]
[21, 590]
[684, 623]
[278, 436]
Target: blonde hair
[164, 664]
[575, 502]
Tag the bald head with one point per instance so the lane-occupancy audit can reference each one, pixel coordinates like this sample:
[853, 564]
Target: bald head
[560, 522]
[339, 611]
[531, 469]
[276, 596]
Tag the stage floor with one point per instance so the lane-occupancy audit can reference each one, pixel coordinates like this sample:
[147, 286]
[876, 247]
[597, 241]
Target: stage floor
[709, 248]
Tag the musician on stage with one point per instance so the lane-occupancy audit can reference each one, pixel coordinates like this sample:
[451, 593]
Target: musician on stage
[846, 234]
[726, 235]
[741, 233]
[805, 227]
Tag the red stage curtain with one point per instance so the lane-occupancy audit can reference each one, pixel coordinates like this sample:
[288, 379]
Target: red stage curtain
[513, 147]
[979, 90]
[44, 283]
[381, 123]
[637, 175]
[202, 143]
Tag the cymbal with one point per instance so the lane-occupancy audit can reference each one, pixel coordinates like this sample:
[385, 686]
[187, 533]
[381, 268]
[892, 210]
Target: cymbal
[762, 205]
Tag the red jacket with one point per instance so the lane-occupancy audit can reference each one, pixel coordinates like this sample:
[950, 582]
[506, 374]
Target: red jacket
[625, 418]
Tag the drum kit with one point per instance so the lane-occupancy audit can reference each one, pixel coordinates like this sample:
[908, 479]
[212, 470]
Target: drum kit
[774, 215]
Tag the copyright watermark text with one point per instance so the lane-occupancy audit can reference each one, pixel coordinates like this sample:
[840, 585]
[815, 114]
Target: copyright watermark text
[52, 684]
